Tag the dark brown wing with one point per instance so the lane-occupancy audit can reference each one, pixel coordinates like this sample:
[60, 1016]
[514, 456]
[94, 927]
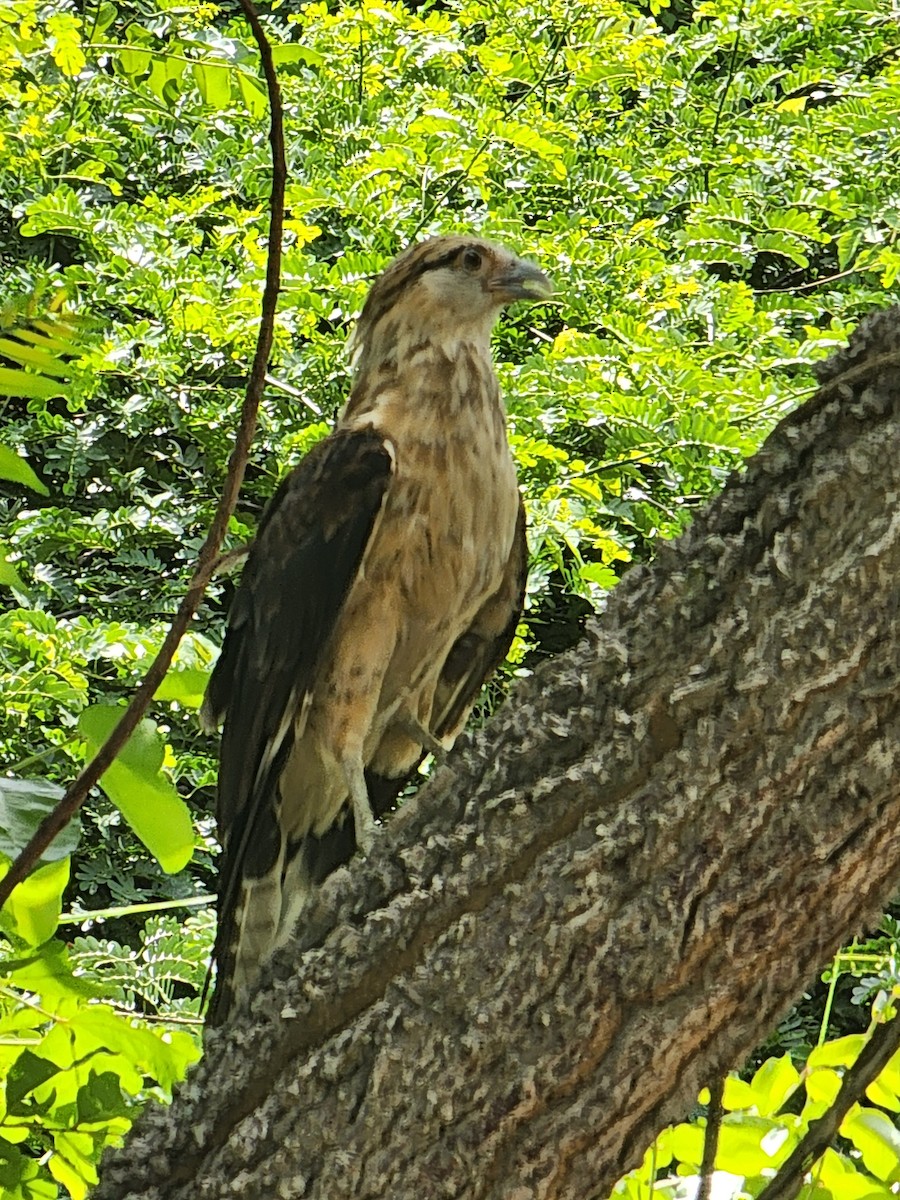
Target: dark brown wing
[305, 558]
[482, 648]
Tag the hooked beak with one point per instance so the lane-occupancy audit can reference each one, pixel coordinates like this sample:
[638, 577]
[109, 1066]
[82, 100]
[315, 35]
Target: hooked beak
[521, 281]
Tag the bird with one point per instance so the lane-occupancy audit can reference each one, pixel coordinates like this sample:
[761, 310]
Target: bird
[383, 589]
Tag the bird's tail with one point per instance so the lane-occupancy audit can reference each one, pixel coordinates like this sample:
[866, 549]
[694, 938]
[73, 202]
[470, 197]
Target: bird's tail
[263, 913]
[263, 916]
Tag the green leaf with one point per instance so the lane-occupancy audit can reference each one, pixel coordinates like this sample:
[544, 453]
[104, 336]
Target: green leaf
[20, 1176]
[68, 1174]
[165, 76]
[32, 356]
[738, 1094]
[187, 677]
[877, 1139]
[253, 94]
[773, 1083]
[840, 1052]
[822, 1085]
[9, 576]
[65, 43]
[214, 82]
[165, 1054]
[138, 788]
[15, 468]
[839, 1176]
[782, 243]
[32, 387]
[685, 1142]
[48, 973]
[599, 574]
[132, 59]
[24, 803]
[749, 1145]
[885, 1090]
[100, 1098]
[294, 52]
[32, 911]
[73, 1163]
[28, 1072]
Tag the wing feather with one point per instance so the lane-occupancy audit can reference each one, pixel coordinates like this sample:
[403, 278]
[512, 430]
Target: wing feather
[307, 554]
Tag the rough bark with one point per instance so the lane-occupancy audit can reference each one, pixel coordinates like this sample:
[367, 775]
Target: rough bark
[610, 894]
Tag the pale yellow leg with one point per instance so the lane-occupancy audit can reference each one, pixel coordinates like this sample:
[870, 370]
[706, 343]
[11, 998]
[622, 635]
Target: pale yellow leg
[363, 818]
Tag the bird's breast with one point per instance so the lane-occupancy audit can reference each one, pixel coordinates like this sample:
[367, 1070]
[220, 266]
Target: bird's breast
[450, 517]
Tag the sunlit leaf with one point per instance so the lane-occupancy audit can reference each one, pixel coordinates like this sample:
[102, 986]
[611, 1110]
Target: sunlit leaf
[15, 468]
[137, 786]
[772, 1085]
[32, 911]
[9, 576]
[877, 1139]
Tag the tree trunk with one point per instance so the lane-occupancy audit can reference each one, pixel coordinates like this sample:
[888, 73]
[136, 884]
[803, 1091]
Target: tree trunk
[610, 894]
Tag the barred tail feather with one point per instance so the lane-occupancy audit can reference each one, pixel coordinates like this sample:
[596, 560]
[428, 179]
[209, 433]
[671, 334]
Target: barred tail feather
[244, 942]
[264, 912]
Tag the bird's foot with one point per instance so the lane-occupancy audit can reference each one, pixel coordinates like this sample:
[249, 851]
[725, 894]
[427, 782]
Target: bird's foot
[365, 829]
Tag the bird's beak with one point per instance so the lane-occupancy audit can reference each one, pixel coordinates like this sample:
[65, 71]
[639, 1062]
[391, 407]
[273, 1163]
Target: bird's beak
[521, 281]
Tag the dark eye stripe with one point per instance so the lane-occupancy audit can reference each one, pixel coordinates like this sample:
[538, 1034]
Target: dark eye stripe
[437, 263]
[434, 264]
[392, 284]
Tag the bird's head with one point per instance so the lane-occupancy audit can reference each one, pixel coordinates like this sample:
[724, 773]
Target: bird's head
[450, 284]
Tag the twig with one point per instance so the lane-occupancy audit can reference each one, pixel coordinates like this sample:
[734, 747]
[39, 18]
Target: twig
[729, 80]
[805, 287]
[128, 910]
[57, 820]
[877, 1052]
[714, 1113]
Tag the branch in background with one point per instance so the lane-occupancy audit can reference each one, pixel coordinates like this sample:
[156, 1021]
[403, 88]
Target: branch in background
[714, 1114]
[209, 553]
[231, 560]
[877, 1053]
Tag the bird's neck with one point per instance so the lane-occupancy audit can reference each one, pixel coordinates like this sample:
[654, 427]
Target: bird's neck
[447, 370]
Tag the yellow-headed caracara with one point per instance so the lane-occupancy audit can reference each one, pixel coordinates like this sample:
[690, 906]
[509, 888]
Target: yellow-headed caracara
[383, 589]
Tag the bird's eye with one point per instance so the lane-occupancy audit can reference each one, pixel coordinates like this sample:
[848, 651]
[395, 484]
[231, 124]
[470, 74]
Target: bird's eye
[471, 260]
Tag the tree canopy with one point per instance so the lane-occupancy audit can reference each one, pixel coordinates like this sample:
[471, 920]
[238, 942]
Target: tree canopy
[713, 187]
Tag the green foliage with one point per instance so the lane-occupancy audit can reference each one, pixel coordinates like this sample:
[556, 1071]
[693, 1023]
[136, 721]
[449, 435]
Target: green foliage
[765, 1118]
[164, 974]
[32, 912]
[712, 188]
[138, 788]
[75, 1070]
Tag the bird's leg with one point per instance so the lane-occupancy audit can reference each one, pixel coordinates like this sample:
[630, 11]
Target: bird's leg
[363, 819]
[417, 732]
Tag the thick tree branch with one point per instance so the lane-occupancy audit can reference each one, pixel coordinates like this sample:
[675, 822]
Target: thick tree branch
[78, 791]
[612, 892]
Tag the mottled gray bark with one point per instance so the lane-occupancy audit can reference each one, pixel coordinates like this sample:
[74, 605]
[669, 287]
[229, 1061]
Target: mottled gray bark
[611, 893]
